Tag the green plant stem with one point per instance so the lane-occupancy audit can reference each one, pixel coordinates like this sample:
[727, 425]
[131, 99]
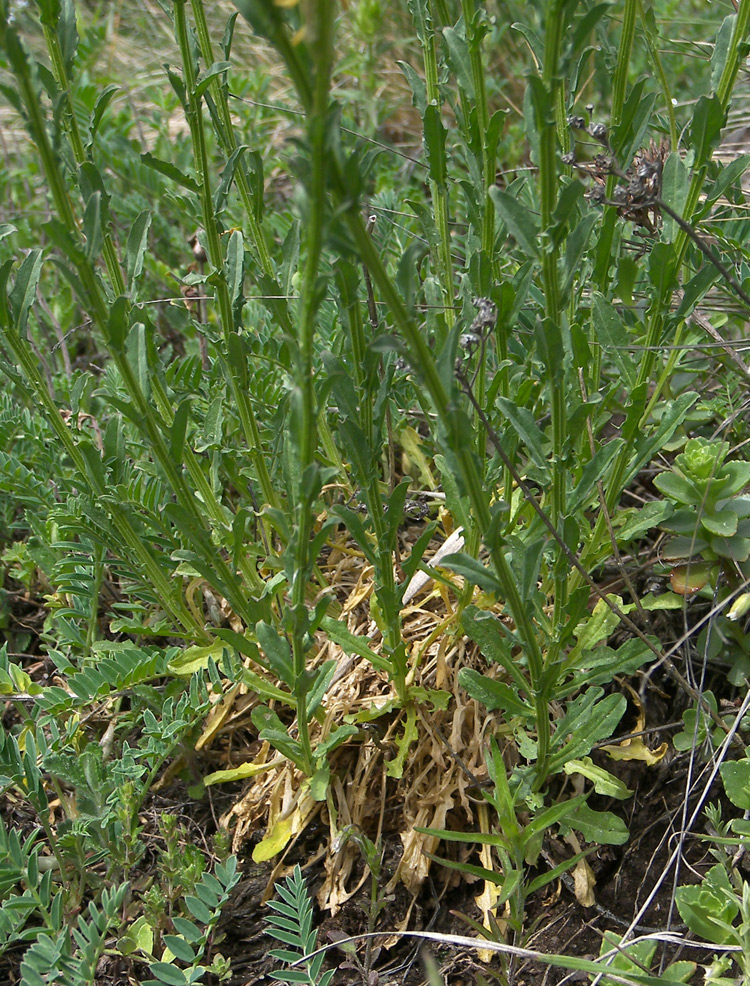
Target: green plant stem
[478, 73]
[385, 583]
[305, 439]
[487, 232]
[215, 256]
[228, 140]
[660, 305]
[58, 70]
[661, 75]
[619, 90]
[548, 188]
[438, 190]
[624, 52]
[734, 57]
[423, 361]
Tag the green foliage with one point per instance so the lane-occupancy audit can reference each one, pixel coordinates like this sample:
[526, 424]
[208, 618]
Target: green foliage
[716, 908]
[175, 470]
[710, 518]
[183, 960]
[626, 959]
[292, 924]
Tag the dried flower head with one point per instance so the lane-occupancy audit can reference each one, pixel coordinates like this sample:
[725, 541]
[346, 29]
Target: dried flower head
[198, 249]
[648, 166]
[637, 200]
[486, 315]
[599, 132]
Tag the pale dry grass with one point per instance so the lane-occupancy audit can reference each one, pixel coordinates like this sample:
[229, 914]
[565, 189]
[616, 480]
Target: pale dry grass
[439, 786]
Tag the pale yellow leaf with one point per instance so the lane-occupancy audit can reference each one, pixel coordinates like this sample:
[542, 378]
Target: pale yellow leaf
[583, 883]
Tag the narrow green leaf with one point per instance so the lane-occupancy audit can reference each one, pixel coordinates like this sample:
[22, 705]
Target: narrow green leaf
[548, 876]
[605, 784]
[136, 248]
[472, 570]
[204, 81]
[170, 171]
[589, 719]
[553, 815]
[23, 293]
[526, 428]
[434, 141]
[67, 32]
[674, 191]
[672, 417]
[493, 694]
[227, 177]
[351, 644]
[178, 431]
[487, 631]
[721, 50]
[595, 469]
[519, 221]
[533, 40]
[277, 652]
[103, 100]
[599, 826]
[480, 838]
[117, 327]
[417, 86]
[319, 782]
[613, 337]
[235, 268]
[459, 61]
[706, 127]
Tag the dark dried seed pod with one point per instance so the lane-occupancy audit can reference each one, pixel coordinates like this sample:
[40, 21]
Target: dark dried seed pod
[486, 316]
[620, 195]
[599, 132]
[198, 249]
[569, 158]
[635, 187]
[469, 341]
[576, 123]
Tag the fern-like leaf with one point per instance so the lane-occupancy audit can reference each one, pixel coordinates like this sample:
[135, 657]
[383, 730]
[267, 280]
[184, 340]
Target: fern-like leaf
[292, 924]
